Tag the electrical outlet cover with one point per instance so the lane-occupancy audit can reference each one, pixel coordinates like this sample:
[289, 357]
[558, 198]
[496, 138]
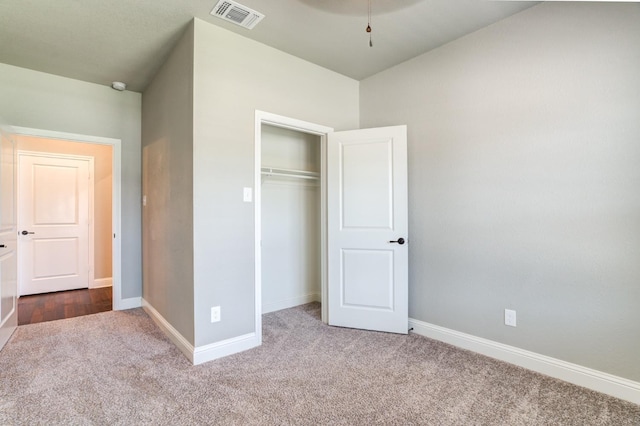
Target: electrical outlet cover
[510, 317]
[215, 314]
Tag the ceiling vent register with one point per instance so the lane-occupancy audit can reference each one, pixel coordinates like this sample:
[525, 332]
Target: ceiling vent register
[237, 13]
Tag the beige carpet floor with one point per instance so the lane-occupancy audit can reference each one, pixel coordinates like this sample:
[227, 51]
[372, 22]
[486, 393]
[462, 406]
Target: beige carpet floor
[117, 368]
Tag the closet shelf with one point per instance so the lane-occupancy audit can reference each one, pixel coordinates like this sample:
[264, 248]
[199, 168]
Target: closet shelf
[299, 174]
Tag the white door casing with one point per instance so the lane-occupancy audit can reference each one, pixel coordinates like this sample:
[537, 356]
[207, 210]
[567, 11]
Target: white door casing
[120, 302]
[367, 216]
[8, 258]
[266, 118]
[54, 196]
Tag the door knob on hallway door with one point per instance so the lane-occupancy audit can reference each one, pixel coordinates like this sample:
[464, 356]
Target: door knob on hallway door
[27, 232]
[398, 241]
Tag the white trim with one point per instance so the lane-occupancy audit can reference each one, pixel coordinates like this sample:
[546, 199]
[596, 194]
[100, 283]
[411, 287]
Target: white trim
[9, 236]
[290, 303]
[225, 348]
[257, 213]
[116, 197]
[130, 303]
[262, 117]
[290, 123]
[201, 354]
[52, 134]
[174, 335]
[101, 282]
[572, 373]
[10, 322]
[324, 283]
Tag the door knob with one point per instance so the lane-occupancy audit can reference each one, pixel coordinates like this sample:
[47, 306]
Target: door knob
[399, 241]
[27, 232]
[2, 246]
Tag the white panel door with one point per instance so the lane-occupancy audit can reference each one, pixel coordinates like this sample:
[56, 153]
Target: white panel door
[368, 229]
[53, 223]
[8, 258]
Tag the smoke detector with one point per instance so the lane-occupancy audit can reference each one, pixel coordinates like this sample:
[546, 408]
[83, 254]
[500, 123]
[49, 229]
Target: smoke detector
[119, 86]
[237, 14]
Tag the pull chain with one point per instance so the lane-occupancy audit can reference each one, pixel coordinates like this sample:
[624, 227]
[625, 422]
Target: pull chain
[369, 25]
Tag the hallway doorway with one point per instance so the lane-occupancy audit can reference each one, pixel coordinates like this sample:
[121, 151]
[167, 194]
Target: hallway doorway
[92, 289]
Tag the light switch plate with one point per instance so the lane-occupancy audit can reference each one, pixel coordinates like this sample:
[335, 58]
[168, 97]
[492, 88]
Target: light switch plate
[247, 195]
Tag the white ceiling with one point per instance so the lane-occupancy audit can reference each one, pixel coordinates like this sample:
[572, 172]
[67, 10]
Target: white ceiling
[127, 40]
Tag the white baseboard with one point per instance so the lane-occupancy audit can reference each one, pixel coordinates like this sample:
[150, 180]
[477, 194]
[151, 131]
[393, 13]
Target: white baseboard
[174, 335]
[290, 303]
[130, 303]
[224, 348]
[102, 282]
[572, 373]
[200, 354]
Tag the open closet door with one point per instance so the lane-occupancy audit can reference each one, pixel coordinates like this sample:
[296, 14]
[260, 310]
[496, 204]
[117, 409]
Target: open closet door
[8, 237]
[367, 225]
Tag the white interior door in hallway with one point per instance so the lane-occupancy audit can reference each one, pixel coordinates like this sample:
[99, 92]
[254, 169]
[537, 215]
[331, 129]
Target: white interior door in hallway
[54, 196]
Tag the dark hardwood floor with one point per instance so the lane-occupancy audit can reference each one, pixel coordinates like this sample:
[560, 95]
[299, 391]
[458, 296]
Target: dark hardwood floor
[63, 304]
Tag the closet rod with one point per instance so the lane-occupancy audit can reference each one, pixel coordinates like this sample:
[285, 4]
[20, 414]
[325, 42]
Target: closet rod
[301, 174]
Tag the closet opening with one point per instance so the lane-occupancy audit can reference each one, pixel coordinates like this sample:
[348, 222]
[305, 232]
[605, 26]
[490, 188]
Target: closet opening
[290, 191]
[290, 203]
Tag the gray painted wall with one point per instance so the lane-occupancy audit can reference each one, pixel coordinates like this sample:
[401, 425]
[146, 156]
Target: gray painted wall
[233, 77]
[524, 154]
[167, 166]
[45, 101]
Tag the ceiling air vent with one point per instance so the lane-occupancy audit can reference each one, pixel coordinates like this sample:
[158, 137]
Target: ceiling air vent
[237, 13]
